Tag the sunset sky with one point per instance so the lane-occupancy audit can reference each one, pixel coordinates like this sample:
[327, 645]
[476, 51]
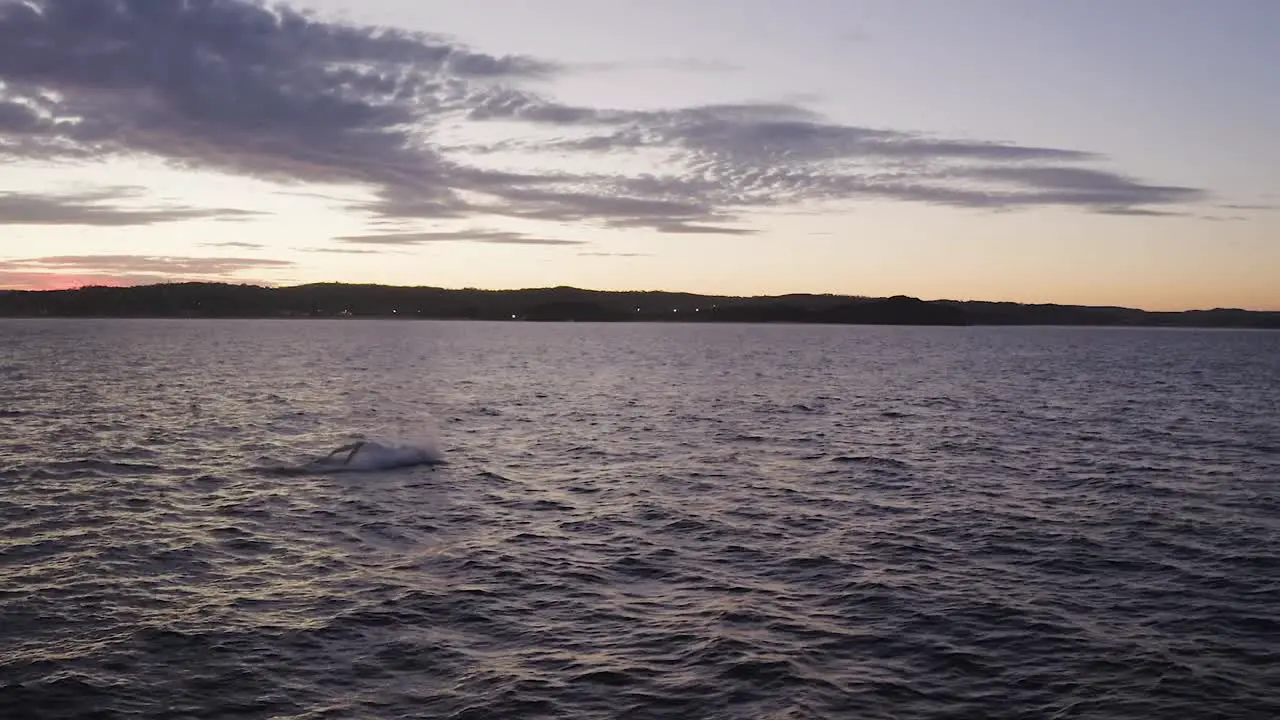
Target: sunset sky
[1103, 152]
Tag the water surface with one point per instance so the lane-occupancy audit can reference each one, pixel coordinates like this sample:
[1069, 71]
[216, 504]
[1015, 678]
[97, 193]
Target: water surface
[642, 521]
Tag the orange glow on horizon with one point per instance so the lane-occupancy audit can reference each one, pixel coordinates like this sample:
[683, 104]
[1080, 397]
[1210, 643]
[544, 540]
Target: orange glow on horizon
[64, 281]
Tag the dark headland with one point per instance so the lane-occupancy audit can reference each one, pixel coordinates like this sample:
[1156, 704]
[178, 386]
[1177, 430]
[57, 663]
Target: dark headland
[219, 300]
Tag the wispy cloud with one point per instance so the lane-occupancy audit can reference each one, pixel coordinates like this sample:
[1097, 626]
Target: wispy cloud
[1055, 184]
[235, 244]
[1250, 206]
[63, 271]
[754, 155]
[496, 237]
[275, 93]
[147, 263]
[108, 207]
[343, 251]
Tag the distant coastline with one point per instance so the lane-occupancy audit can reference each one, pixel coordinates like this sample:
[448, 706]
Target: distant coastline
[566, 304]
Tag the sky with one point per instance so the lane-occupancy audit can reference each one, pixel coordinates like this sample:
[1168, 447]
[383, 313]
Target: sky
[1095, 152]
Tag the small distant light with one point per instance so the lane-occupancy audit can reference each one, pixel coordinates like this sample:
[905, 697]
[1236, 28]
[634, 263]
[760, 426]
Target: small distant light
[675, 309]
[513, 317]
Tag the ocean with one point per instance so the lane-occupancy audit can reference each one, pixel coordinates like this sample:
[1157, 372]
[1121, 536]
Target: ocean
[636, 521]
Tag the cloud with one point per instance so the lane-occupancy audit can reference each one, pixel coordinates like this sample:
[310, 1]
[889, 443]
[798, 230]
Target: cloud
[234, 86]
[614, 254]
[102, 208]
[147, 263]
[744, 156]
[1140, 212]
[344, 251]
[1249, 206]
[63, 271]
[755, 133]
[497, 237]
[20, 118]
[633, 210]
[272, 92]
[235, 244]
[1087, 187]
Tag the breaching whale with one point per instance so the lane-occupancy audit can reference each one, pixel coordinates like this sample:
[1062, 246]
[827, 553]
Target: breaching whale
[370, 455]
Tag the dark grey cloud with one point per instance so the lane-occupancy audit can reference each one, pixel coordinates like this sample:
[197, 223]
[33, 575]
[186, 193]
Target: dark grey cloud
[21, 118]
[234, 86]
[496, 237]
[101, 208]
[272, 92]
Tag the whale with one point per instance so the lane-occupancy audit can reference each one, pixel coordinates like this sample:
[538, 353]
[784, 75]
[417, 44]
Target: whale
[366, 455]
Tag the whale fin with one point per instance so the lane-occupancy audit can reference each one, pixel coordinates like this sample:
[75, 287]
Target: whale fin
[351, 449]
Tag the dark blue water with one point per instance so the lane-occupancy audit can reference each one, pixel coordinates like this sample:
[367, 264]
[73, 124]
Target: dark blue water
[641, 521]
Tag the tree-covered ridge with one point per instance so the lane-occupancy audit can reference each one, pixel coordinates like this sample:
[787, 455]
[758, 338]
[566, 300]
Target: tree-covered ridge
[572, 304]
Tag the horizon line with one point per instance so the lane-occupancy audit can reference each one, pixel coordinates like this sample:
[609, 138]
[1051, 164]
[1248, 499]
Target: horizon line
[269, 286]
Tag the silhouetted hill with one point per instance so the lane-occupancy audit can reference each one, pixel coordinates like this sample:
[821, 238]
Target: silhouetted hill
[897, 310]
[574, 304]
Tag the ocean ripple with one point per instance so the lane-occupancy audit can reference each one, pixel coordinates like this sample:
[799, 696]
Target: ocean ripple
[638, 521]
